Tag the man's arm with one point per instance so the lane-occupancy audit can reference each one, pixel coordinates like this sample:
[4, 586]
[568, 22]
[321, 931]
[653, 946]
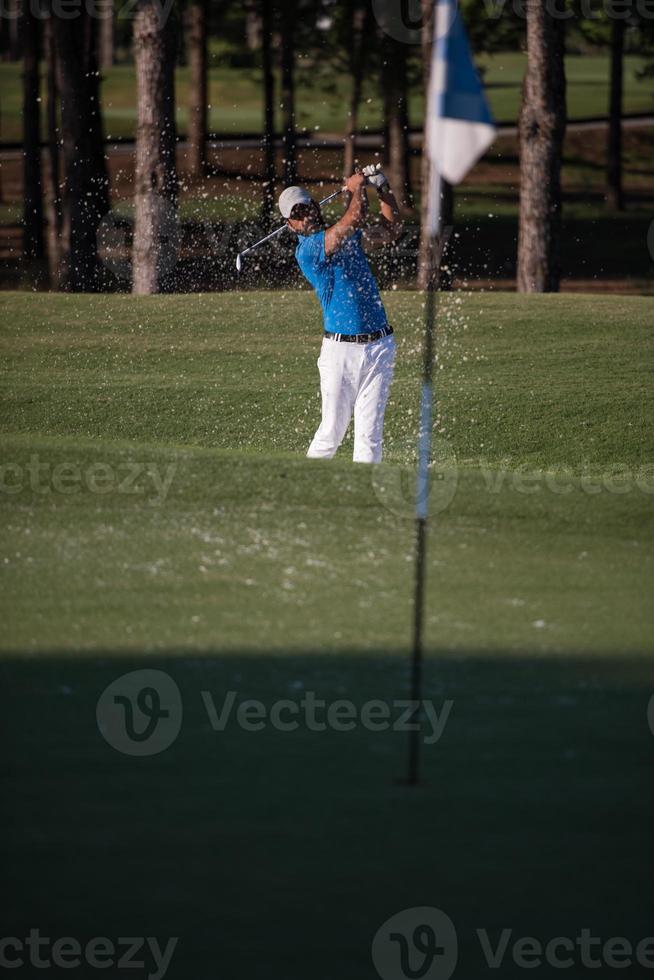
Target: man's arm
[353, 219]
[390, 225]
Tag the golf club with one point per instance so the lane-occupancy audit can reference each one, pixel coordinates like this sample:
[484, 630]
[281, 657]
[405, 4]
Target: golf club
[326, 200]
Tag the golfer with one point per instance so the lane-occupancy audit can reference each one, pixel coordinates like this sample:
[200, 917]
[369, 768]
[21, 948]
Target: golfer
[358, 350]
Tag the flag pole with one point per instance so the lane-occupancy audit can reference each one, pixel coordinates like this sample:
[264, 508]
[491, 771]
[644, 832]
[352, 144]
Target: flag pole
[458, 129]
[422, 481]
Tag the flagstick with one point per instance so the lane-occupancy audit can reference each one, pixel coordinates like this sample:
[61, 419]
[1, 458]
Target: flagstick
[422, 482]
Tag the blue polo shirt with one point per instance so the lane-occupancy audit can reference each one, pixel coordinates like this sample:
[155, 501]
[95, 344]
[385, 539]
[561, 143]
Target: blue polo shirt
[344, 284]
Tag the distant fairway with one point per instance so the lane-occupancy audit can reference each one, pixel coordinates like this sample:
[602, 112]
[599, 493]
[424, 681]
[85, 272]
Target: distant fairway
[235, 95]
[258, 571]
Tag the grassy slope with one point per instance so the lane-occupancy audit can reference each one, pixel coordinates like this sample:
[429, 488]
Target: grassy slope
[281, 854]
[209, 384]
[235, 96]
[548, 383]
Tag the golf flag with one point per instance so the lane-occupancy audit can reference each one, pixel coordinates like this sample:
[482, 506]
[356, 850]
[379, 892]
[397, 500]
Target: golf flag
[459, 126]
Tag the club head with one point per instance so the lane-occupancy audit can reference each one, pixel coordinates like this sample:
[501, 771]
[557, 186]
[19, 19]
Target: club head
[239, 262]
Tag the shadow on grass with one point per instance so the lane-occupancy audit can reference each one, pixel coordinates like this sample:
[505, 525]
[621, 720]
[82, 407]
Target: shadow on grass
[279, 854]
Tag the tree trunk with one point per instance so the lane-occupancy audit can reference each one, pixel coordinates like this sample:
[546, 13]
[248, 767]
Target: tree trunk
[15, 21]
[196, 44]
[289, 13]
[53, 197]
[268, 109]
[155, 226]
[447, 194]
[614, 193]
[396, 121]
[359, 22]
[541, 129]
[85, 193]
[106, 8]
[253, 29]
[32, 184]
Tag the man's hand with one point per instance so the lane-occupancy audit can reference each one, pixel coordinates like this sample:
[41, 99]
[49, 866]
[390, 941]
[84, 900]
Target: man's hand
[355, 182]
[375, 177]
[390, 225]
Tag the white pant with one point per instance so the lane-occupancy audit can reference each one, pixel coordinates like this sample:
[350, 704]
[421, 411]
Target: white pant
[354, 378]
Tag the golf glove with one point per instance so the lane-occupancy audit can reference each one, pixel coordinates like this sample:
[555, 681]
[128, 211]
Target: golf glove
[375, 178]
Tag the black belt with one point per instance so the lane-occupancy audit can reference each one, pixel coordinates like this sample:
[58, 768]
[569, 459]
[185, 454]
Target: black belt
[358, 338]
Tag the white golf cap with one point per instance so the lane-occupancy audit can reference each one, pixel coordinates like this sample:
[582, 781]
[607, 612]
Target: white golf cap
[290, 197]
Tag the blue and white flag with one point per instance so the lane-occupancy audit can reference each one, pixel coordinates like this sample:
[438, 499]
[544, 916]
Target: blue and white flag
[459, 126]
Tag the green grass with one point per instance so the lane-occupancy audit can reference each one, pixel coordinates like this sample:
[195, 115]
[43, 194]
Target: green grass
[280, 854]
[235, 96]
[223, 390]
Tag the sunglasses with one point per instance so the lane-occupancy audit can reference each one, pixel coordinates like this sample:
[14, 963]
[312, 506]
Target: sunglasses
[301, 211]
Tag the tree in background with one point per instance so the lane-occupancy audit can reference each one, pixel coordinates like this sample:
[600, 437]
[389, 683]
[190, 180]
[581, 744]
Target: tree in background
[155, 190]
[196, 46]
[494, 25]
[396, 119]
[53, 196]
[288, 17]
[358, 21]
[268, 141]
[541, 129]
[10, 22]
[85, 192]
[106, 15]
[614, 192]
[33, 248]
[625, 29]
